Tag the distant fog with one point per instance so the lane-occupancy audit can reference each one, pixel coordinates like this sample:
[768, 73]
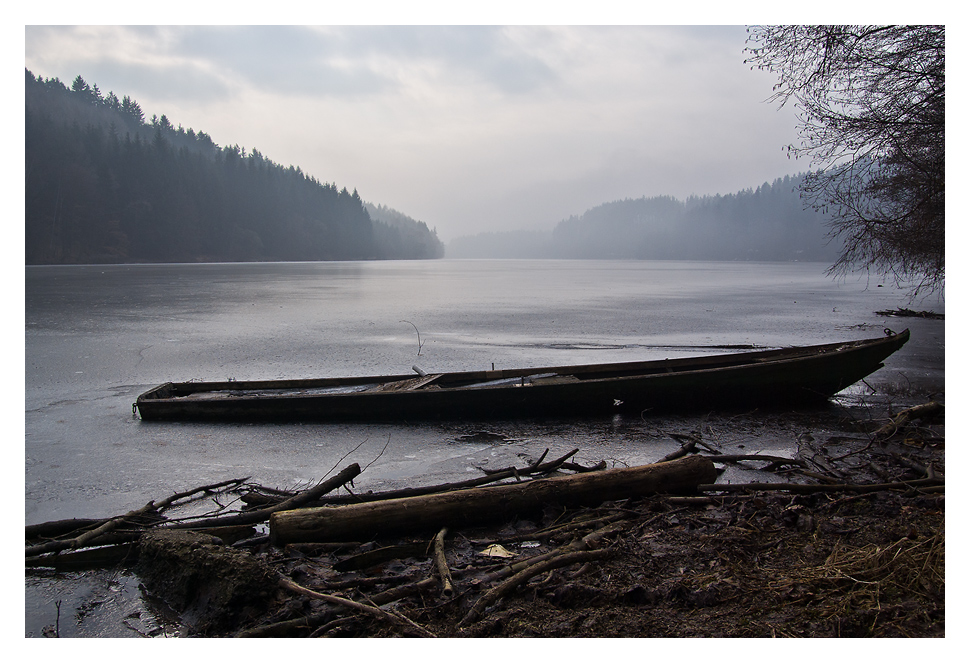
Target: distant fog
[768, 223]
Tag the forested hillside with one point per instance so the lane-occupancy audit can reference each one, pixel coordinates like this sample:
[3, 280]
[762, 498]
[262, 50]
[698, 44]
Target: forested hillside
[402, 233]
[102, 184]
[768, 223]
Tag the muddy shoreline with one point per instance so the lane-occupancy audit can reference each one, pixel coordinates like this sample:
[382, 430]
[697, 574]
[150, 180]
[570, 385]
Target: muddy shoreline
[755, 563]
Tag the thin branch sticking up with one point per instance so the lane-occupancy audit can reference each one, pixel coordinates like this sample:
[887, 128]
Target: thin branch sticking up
[420, 344]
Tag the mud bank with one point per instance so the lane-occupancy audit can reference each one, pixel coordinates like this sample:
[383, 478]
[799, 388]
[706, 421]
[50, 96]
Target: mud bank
[846, 540]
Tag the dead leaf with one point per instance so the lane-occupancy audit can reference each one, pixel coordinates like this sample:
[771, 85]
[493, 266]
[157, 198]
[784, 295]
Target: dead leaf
[495, 550]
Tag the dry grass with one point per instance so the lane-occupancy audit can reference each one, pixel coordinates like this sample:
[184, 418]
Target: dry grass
[871, 579]
[913, 566]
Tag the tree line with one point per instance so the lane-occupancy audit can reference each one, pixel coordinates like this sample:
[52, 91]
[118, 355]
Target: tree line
[767, 223]
[105, 185]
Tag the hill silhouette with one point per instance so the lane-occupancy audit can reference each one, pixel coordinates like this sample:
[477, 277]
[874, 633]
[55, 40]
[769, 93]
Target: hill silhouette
[103, 185]
[767, 223]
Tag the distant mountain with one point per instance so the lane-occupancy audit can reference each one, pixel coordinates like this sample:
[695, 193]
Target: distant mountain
[769, 223]
[102, 185]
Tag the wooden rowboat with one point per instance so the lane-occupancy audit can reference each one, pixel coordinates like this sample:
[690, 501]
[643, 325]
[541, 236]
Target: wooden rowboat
[790, 376]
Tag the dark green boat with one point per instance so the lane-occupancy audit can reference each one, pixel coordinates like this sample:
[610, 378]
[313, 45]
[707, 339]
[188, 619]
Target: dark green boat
[798, 376]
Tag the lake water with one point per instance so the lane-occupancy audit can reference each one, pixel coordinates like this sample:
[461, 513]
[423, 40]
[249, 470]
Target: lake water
[97, 336]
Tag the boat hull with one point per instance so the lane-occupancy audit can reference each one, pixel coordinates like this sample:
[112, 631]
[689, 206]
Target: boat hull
[792, 376]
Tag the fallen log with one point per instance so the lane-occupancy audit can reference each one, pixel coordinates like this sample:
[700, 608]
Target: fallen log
[86, 559]
[482, 505]
[55, 528]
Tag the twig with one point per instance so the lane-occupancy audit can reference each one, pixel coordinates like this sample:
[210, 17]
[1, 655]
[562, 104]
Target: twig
[396, 619]
[347, 454]
[819, 488]
[247, 518]
[395, 593]
[584, 543]
[534, 467]
[258, 516]
[926, 470]
[519, 578]
[916, 412]
[441, 564]
[685, 449]
[568, 527]
[82, 540]
[112, 523]
[368, 581]
[493, 476]
[416, 332]
[381, 453]
[680, 437]
[329, 626]
[576, 467]
[286, 628]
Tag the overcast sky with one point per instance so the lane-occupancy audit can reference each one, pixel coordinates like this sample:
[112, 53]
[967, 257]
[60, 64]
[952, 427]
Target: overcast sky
[469, 129]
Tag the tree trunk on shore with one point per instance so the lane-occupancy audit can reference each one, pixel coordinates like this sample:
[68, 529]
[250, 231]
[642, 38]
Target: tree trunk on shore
[482, 505]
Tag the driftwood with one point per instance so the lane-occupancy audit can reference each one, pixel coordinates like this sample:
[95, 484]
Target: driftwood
[491, 476]
[559, 530]
[910, 414]
[104, 533]
[100, 533]
[910, 313]
[441, 564]
[481, 505]
[346, 475]
[588, 542]
[494, 594]
[327, 620]
[91, 558]
[506, 570]
[55, 528]
[290, 627]
[467, 591]
[395, 619]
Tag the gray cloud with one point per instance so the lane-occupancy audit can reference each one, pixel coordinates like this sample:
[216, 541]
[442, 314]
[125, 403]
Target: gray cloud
[287, 60]
[352, 62]
[483, 54]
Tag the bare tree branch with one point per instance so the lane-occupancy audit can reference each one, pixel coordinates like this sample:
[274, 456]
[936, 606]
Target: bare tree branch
[871, 107]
